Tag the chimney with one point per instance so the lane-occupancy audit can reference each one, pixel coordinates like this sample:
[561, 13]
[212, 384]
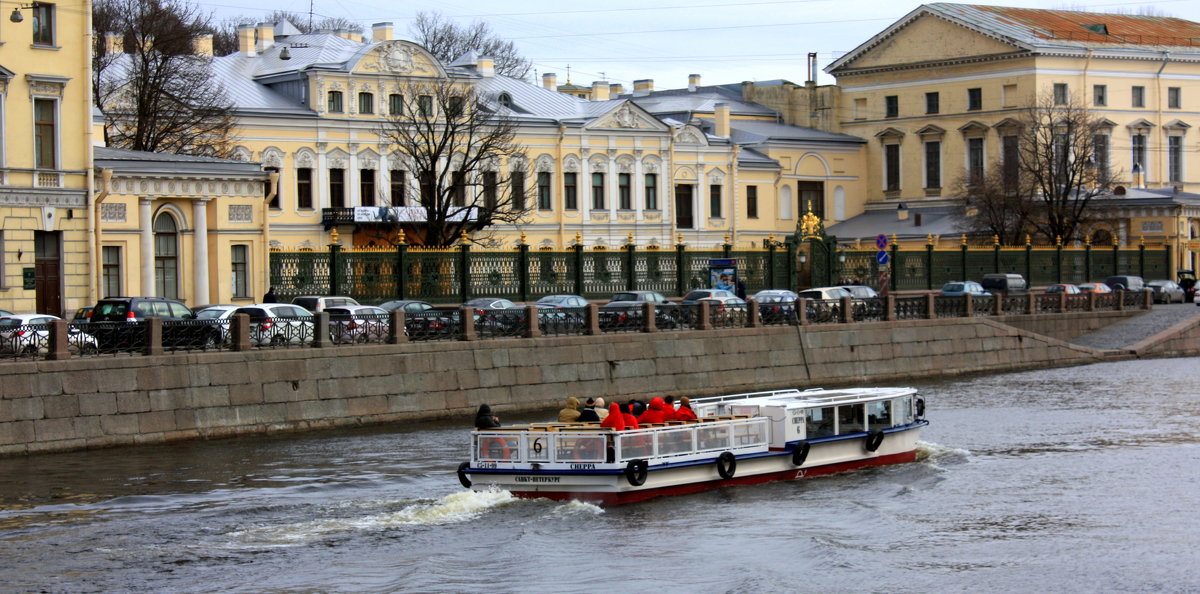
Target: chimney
[266, 37]
[381, 32]
[901, 212]
[600, 90]
[550, 81]
[202, 45]
[616, 90]
[721, 119]
[114, 43]
[485, 66]
[693, 82]
[812, 68]
[246, 40]
[644, 87]
[748, 88]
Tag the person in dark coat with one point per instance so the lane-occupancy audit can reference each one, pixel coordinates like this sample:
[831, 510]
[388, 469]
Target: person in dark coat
[741, 290]
[588, 414]
[484, 419]
[270, 296]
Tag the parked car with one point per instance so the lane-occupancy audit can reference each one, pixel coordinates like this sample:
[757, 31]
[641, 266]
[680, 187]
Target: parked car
[1067, 288]
[5, 312]
[861, 291]
[960, 288]
[180, 328]
[422, 319]
[1166, 291]
[824, 293]
[561, 314]
[698, 294]
[30, 333]
[315, 303]
[726, 310]
[358, 323]
[624, 310]
[561, 301]
[1126, 283]
[81, 315]
[1097, 288]
[270, 323]
[774, 294]
[497, 316]
[1004, 284]
[776, 305]
[218, 312]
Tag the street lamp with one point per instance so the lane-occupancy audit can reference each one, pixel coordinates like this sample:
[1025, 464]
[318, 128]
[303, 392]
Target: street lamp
[16, 15]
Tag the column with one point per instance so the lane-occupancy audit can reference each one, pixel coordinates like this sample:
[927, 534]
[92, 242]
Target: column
[200, 247]
[353, 178]
[147, 228]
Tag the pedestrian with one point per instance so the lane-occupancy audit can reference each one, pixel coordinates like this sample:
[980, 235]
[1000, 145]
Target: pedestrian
[270, 296]
[741, 290]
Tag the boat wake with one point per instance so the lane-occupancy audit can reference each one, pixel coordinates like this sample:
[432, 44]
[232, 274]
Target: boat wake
[936, 454]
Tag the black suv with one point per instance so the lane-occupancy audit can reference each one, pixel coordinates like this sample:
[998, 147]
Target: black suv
[117, 324]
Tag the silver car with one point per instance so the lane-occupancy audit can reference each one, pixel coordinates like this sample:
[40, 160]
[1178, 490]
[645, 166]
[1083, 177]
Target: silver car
[29, 334]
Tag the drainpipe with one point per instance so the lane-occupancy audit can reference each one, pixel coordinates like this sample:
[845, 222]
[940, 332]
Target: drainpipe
[94, 229]
[273, 180]
[1161, 162]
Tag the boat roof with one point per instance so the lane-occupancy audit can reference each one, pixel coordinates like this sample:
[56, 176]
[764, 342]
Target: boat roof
[807, 398]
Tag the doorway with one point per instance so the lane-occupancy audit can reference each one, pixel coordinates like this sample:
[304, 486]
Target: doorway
[684, 206]
[47, 246]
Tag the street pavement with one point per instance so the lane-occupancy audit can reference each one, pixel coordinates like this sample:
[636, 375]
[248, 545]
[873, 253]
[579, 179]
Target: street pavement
[1128, 332]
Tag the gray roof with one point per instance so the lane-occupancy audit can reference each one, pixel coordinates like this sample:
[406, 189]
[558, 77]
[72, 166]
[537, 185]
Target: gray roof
[935, 220]
[703, 99]
[760, 132]
[126, 161]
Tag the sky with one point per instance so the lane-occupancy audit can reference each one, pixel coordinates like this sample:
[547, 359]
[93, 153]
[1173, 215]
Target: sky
[625, 40]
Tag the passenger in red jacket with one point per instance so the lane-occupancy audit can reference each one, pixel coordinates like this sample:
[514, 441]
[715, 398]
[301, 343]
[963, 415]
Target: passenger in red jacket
[631, 421]
[669, 411]
[614, 420]
[656, 412]
[685, 412]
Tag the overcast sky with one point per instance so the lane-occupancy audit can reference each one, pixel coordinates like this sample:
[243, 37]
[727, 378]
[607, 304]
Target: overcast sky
[625, 40]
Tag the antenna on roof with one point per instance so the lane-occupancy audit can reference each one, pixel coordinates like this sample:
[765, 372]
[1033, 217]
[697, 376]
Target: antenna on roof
[310, 13]
[568, 74]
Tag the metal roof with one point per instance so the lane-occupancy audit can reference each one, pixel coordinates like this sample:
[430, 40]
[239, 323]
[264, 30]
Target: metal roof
[703, 99]
[126, 161]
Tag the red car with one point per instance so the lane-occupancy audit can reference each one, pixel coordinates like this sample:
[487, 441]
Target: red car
[1094, 288]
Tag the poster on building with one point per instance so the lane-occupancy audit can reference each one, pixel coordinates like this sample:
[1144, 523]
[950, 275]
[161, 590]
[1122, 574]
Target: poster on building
[723, 274]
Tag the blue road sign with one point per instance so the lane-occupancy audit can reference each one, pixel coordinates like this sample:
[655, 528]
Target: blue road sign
[881, 241]
[881, 257]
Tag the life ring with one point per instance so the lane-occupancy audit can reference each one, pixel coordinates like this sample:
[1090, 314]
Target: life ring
[874, 440]
[636, 472]
[920, 408]
[726, 465]
[800, 453]
[496, 448]
[462, 474]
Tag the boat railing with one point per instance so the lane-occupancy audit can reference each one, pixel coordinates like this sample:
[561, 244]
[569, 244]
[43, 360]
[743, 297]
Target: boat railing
[592, 445]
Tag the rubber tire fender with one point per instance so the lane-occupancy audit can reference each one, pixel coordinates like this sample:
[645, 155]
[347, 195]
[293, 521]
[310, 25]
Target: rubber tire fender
[726, 465]
[462, 474]
[874, 440]
[800, 453]
[636, 472]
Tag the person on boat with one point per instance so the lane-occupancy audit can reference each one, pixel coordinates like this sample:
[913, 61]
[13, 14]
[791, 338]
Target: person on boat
[685, 412]
[484, 419]
[669, 411]
[630, 420]
[601, 409]
[615, 420]
[655, 413]
[588, 414]
[570, 414]
[637, 407]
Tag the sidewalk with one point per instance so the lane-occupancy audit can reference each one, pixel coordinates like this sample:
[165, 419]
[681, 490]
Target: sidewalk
[1135, 329]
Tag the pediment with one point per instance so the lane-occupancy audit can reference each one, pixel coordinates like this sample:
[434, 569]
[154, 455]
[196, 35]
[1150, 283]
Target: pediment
[1176, 125]
[973, 127]
[1008, 124]
[907, 42]
[399, 57]
[888, 133]
[1105, 123]
[626, 116]
[1140, 124]
[691, 135]
[931, 130]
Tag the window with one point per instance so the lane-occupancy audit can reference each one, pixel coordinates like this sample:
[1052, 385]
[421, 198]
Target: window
[975, 158]
[624, 192]
[335, 102]
[366, 103]
[1100, 154]
[598, 191]
[974, 99]
[490, 190]
[1008, 95]
[45, 136]
[395, 104]
[812, 197]
[425, 106]
[891, 106]
[544, 202]
[1060, 93]
[43, 24]
[517, 184]
[337, 188]
[714, 201]
[931, 103]
[458, 188]
[1174, 97]
[166, 257]
[366, 188]
[267, 188]
[304, 193]
[454, 106]
[426, 181]
[570, 191]
[1100, 95]
[651, 191]
[239, 259]
[891, 167]
[399, 187]
[110, 274]
[1139, 96]
[1139, 152]
[752, 202]
[933, 164]
[1175, 158]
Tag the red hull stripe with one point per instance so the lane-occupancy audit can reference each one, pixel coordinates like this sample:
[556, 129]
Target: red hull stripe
[604, 498]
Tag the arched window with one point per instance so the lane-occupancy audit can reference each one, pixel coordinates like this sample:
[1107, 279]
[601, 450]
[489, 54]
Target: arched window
[166, 257]
[1102, 237]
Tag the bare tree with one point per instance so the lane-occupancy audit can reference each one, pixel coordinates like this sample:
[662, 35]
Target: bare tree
[225, 39]
[471, 172]
[157, 95]
[995, 204]
[447, 41]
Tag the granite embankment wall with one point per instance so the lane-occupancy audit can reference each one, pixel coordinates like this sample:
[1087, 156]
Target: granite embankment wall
[110, 401]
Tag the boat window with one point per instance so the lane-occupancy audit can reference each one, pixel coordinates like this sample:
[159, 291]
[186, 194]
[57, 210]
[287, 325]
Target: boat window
[820, 422]
[902, 411]
[879, 415]
[850, 418]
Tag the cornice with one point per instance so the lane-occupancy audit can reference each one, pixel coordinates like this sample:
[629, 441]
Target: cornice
[935, 63]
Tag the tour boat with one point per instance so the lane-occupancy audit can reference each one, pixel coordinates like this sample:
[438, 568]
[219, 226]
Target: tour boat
[738, 439]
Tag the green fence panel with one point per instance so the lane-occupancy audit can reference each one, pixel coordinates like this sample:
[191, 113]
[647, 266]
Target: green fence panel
[433, 276]
[603, 274]
[299, 273]
[655, 271]
[551, 273]
[494, 274]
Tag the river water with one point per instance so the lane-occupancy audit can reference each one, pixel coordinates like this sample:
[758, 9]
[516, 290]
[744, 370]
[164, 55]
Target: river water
[1082, 479]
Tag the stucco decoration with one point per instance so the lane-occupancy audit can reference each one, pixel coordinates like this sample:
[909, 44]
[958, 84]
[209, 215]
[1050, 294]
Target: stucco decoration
[651, 164]
[368, 159]
[337, 159]
[240, 153]
[598, 164]
[690, 135]
[112, 212]
[685, 173]
[518, 163]
[272, 157]
[275, 245]
[625, 164]
[546, 244]
[544, 164]
[399, 57]
[305, 158]
[716, 176]
[241, 213]
[571, 163]
[627, 116]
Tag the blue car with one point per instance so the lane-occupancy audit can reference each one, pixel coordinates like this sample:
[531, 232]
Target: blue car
[959, 288]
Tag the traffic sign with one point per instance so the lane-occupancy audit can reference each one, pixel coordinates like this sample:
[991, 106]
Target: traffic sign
[881, 241]
[881, 257]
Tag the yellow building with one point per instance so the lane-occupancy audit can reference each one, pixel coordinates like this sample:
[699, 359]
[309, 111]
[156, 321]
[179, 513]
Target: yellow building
[45, 157]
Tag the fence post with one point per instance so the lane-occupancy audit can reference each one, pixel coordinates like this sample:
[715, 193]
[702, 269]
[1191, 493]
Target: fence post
[1062, 302]
[996, 253]
[1116, 269]
[895, 264]
[929, 263]
[727, 247]
[402, 269]
[1058, 261]
[239, 332]
[791, 265]
[1087, 260]
[466, 319]
[523, 269]
[1091, 301]
[847, 310]
[578, 265]
[969, 303]
[397, 333]
[1028, 259]
[963, 258]
[680, 261]
[531, 322]
[464, 271]
[771, 261]
[1168, 255]
[753, 320]
[592, 318]
[998, 304]
[59, 346]
[1030, 303]
[890, 315]
[1120, 299]
[703, 315]
[630, 272]
[930, 306]
[802, 311]
[154, 331]
[335, 249]
[648, 321]
[1142, 257]
[321, 336]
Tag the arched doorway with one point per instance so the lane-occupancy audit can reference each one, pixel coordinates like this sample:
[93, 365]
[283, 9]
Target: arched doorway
[166, 257]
